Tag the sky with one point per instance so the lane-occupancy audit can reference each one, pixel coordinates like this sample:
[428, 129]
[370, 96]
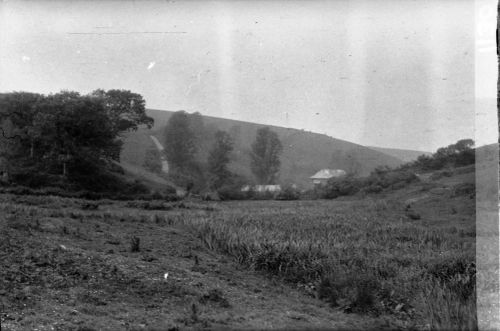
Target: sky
[388, 73]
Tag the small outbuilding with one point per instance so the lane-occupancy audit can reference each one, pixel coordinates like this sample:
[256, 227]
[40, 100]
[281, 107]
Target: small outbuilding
[261, 188]
[322, 176]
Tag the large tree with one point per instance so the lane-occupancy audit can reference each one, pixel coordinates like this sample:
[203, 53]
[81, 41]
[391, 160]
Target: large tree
[180, 142]
[219, 158]
[74, 129]
[265, 156]
[67, 130]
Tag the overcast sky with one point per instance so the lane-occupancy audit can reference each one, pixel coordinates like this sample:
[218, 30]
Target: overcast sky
[382, 73]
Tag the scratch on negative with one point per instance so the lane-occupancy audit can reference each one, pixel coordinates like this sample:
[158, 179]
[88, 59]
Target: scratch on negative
[133, 32]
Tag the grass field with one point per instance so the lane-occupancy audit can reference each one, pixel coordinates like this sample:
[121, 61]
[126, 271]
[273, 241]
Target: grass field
[360, 256]
[341, 264]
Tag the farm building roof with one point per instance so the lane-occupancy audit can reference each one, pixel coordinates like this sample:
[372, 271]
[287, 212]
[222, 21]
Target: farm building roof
[328, 173]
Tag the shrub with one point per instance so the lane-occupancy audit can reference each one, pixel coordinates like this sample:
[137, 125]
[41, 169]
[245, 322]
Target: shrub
[134, 244]
[463, 189]
[341, 186]
[440, 174]
[374, 188]
[365, 299]
[215, 296]
[136, 187]
[327, 290]
[288, 193]
[168, 194]
[354, 292]
[231, 192]
[191, 178]
[380, 179]
[266, 195]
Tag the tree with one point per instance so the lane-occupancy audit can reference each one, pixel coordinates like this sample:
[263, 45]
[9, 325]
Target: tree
[9, 146]
[219, 158]
[125, 109]
[74, 129]
[463, 145]
[203, 138]
[19, 109]
[265, 156]
[65, 133]
[197, 126]
[180, 142]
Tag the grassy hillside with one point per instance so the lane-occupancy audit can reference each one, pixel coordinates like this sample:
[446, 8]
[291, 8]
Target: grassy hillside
[402, 154]
[303, 155]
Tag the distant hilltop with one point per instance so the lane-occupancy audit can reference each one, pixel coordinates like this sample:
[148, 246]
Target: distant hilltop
[405, 155]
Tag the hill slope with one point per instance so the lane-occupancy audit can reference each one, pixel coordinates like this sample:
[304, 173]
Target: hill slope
[405, 155]
[304, 153]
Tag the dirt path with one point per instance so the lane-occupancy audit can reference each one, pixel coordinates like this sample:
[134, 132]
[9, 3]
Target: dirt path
[164, 162]
[125, 290]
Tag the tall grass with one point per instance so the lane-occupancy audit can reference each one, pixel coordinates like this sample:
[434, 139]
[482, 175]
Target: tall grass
[361, 256]
[445, 310]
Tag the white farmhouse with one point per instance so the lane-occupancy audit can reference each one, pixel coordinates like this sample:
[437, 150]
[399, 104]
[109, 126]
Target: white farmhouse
[322, 176]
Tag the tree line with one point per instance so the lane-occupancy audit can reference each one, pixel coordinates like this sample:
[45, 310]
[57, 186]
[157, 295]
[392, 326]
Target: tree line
[65, 135]
[186, 135]
[459, 154]
[69, 138]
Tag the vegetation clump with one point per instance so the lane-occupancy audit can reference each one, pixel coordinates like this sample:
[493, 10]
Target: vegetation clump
[135, 244]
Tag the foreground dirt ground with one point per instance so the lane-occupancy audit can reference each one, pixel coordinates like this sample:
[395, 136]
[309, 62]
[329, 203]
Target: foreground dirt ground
[68, 267]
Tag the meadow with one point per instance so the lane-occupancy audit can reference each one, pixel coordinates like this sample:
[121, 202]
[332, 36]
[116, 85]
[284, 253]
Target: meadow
[359, 256]
[364, 259]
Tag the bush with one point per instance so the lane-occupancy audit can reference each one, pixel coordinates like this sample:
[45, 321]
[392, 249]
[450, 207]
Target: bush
[381, 178]
[288, 193]
[231, 192]
[266, 195]
[463, 189]
[192, 178]
[340, 186]
[440, 174]
[374, 188]
[311, 194]
[135, 244]
[215, 296]
[169, 194]
[36, 179]
[354, 292]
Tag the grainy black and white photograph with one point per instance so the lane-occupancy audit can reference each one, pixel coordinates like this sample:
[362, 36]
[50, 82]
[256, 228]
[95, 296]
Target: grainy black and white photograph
[249, 165]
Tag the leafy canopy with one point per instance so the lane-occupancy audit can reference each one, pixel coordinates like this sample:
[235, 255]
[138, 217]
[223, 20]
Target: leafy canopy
[219, 158]
[66, 130]
[265, 156]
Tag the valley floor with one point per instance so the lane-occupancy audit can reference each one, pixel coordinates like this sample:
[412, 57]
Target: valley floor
[70, 264]
[67, 268]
